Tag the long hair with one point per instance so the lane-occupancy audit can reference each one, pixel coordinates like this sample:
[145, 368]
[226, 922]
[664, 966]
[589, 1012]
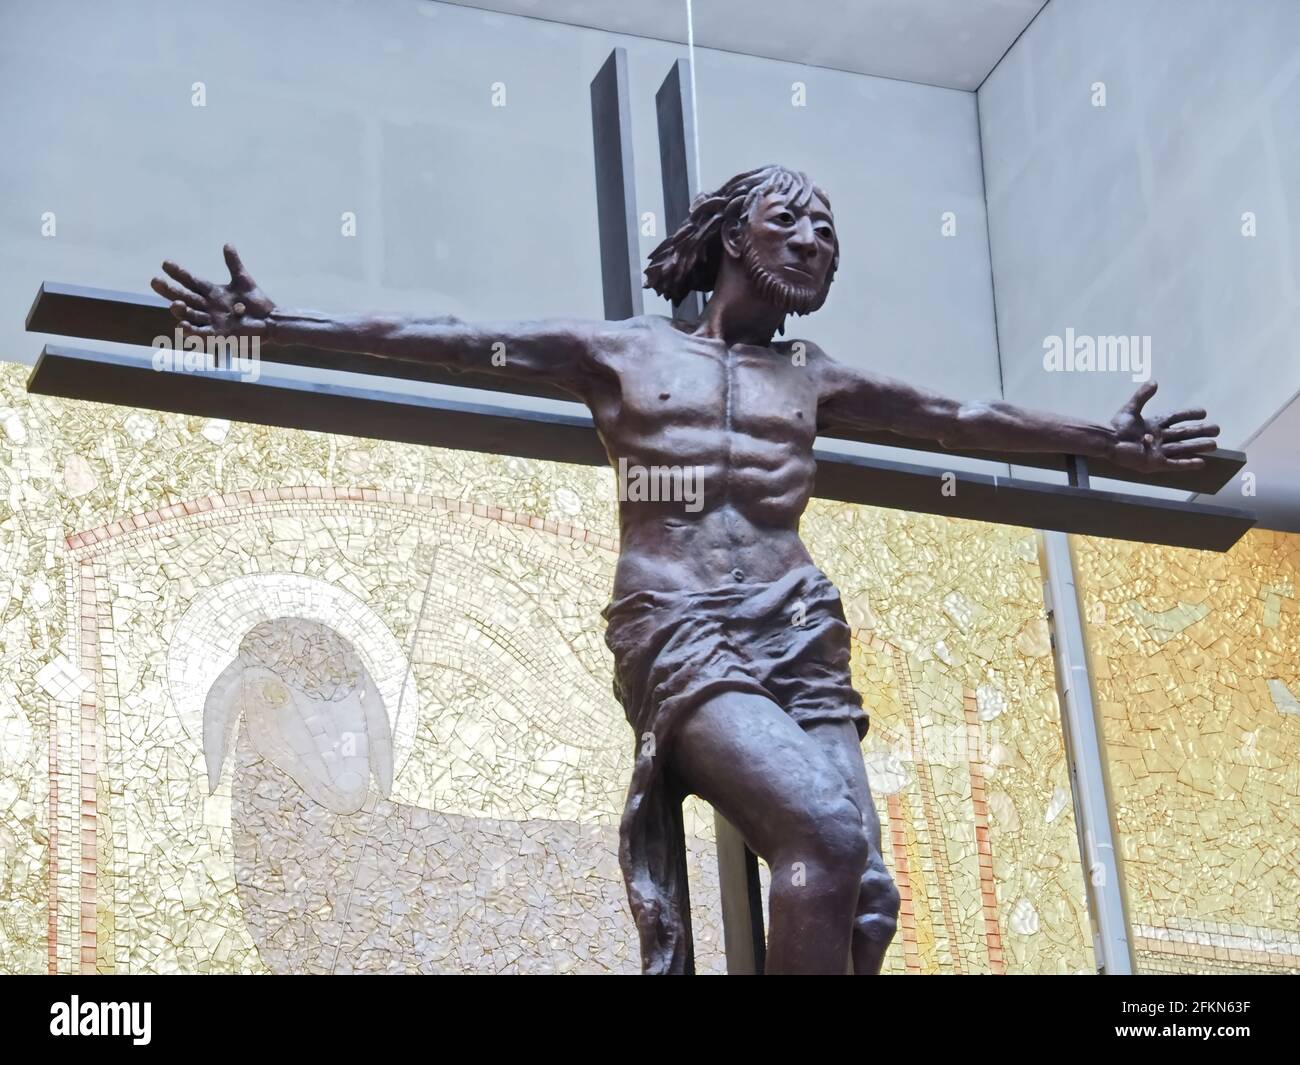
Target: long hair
[688, 261]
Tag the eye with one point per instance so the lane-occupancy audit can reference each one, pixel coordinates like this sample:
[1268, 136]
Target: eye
[785, 218]
[824, 232]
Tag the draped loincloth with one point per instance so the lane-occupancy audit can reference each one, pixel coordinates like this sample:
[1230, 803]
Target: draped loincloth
[785, 640]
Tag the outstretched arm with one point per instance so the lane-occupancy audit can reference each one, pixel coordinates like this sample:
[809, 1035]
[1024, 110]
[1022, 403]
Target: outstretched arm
[556, 351]
[1148, 444]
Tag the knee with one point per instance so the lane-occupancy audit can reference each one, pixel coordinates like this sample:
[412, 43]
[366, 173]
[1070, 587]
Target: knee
[878, 903]
[830, 843]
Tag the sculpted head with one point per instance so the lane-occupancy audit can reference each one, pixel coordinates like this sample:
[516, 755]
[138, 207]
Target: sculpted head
[772, 225]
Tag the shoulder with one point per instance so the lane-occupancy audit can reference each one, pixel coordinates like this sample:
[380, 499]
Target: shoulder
[628, 330]
[834, 380]
[592, 338]
[803, 348]
[631, 336]
[808, 353]
[649, 323]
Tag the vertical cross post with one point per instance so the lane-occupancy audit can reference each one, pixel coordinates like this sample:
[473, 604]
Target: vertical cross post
[677, 163]
[738, 881]
[620, 268]
[742, 901]
[611, 128]
[739, 885]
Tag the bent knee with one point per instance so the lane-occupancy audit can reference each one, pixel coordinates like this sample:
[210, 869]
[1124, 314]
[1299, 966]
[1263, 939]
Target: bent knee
[878, 894]
[830, 836]
[877, 928]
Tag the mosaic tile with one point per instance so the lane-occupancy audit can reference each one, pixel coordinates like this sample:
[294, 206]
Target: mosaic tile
[469, 588]
[1194, 655]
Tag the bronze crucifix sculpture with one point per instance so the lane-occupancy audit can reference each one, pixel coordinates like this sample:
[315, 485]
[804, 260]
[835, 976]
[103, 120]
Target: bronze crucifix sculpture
[731, 649]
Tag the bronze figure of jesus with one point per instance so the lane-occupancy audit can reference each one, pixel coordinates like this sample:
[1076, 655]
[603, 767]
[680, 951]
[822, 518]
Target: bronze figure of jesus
[730, 646]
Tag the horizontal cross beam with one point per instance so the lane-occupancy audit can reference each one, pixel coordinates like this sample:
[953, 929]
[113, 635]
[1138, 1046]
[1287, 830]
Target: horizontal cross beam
[128, 318]
[380, 408]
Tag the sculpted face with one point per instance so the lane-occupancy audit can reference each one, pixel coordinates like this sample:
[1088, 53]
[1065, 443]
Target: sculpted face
[787, 250]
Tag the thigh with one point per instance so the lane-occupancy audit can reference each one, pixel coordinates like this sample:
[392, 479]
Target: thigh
[839, 744]
[742, 754]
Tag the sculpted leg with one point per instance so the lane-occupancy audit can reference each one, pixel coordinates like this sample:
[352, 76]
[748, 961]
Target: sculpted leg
[878, 901]
[743, 754]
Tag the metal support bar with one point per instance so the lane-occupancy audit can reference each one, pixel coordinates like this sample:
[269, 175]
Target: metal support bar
[738, 882]
[677, 163]
[1076, 469]
[1085, 754]
[742, 901]
[611, 128]
[386, 409]
[132, 318]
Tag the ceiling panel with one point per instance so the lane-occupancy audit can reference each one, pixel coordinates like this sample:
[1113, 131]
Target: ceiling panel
[953, 43]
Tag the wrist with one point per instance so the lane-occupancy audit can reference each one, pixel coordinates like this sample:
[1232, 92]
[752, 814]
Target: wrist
[1109, 447]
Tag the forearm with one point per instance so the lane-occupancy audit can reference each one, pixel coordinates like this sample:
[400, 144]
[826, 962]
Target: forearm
[998, 426]
[445, 339]
[853, 398]
[562, 353]
[1131, 439]
[557, 352]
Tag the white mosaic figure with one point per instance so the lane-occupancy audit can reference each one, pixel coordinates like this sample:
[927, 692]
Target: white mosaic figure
[333, 876]
[310, 709]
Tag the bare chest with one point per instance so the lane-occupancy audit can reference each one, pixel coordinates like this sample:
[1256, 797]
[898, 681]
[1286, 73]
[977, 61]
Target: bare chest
[687, 383]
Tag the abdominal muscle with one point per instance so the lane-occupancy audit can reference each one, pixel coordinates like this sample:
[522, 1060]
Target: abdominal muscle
[664, 549]
[739, 524]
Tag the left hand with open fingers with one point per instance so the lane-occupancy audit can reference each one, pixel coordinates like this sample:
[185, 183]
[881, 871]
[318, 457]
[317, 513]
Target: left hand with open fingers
[1156, 444]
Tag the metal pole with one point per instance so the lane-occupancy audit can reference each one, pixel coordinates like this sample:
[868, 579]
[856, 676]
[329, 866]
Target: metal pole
[611, 127]
[1085, 756]
[738, 880]
[677, 163]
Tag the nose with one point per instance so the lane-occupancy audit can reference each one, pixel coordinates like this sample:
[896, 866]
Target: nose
[803, 240]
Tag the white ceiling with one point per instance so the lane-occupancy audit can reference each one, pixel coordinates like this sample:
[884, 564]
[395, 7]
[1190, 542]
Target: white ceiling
[953, 43]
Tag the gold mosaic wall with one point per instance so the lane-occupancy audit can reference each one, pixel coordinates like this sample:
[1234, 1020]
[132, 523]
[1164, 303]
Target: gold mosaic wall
[1196, 660]
[165, 804]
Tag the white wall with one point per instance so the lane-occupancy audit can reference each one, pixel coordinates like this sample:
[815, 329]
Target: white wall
[384, 108]
[1127, 219]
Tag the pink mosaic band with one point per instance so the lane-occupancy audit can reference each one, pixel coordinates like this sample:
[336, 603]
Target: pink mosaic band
[903, 881]
[929, 804]
[979, 800]
[88, 538]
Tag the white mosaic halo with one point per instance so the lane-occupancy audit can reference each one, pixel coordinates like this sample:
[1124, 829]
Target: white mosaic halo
[207, 637]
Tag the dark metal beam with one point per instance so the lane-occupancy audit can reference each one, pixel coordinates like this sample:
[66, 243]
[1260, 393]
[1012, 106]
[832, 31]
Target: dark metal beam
[133, 318]
[742, 901]
[611, 128]
[1076, 471]
[677, 163]
[127, 318]
[381, 409]
[738, 883]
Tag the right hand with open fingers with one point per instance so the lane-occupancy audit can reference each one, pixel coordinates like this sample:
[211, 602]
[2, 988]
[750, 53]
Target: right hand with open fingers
[211, 310]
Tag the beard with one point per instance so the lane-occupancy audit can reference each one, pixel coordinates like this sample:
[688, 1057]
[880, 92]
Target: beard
[787, 296]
